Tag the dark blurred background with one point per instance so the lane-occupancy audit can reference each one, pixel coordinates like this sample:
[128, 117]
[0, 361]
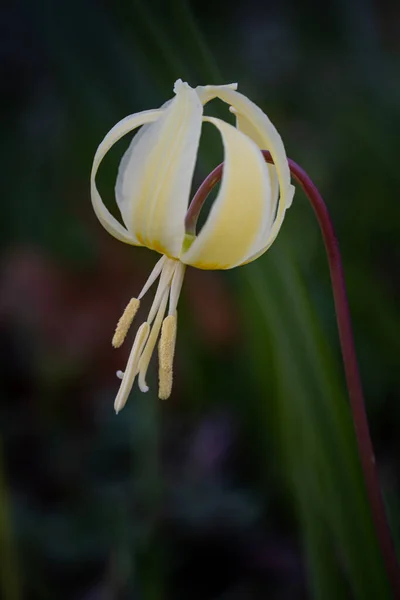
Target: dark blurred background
[246, 483]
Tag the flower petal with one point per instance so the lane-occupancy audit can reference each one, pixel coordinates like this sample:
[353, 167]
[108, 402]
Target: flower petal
[208, 92]
[124, 165]
[267, 242]
[155, 175]
[124, 126]
[248, 129]
[259, 127]
[242, 208]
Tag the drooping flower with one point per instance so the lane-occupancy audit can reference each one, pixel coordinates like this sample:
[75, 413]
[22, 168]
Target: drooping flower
[152, 193]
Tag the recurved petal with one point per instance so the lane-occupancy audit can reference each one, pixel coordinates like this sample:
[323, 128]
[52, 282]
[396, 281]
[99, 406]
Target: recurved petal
[155, 175]
[254, 123]
[263, 132]
[267, 241]
[126, 160]
[248, 128]
[242, 208]
[124, 126]
[208, 92]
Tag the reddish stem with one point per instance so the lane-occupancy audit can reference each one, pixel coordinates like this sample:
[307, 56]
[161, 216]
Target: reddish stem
[353, 379]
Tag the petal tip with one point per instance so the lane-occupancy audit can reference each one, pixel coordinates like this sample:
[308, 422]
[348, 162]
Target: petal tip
[290, 196]
[180, 85]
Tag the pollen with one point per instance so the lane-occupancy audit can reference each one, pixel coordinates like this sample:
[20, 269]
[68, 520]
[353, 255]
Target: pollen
[165, 379]
[125, 322]
[166, 350]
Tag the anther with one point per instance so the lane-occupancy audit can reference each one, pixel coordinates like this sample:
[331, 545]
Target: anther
[166, 350]
[125, 322]
[165, 379]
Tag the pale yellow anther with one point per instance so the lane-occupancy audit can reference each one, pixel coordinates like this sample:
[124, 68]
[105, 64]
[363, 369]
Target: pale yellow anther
[125, 322]
[164, 384]
[166, 350]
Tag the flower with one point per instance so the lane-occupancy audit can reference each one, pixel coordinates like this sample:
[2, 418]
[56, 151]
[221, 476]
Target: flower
[152, 193]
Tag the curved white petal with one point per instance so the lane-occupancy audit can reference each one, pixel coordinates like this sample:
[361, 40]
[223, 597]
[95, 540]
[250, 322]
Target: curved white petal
[260, 128]
[267, 243]
[156, 173]
[124, 165]
[208, 92]
[247, 128]
[123, 127]
[242, 208]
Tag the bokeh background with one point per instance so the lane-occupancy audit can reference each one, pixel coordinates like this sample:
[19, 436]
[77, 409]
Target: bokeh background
[246, 484]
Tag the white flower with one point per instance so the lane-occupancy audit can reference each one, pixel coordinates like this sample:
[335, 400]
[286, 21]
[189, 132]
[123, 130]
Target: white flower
[152, 192]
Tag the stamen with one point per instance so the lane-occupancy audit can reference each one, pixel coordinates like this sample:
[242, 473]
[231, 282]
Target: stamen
[164, 284]
[172, 272]
[153, 276]
[125, 322]
[166, 350]
[131, 368]
[130, 311]
[176, 287]
[151, 342]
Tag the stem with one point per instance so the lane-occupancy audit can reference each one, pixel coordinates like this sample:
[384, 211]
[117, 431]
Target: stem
[352, 373]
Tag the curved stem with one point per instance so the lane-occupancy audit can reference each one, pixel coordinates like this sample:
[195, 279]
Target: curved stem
[352, 373]
[200, 197]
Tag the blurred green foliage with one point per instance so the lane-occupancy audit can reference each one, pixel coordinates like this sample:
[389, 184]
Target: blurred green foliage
[246, 484]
